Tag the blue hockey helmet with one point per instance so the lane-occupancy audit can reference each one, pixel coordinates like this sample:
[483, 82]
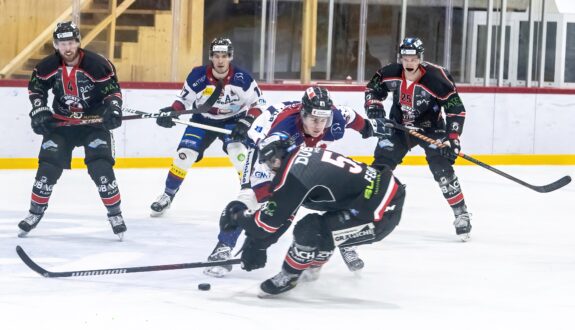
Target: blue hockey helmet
[411, 46]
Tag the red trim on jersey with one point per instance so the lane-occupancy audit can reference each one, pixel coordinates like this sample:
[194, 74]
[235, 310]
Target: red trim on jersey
[389, 194]
[39, 199]
[213, 80]
[455, 199]
[262, 224]
[178, 106]
[262, 192]
[69, 83]
[109, 201]
[406, 92]
[288, 111]
[46, 77]
[358, 123]
[296, 265]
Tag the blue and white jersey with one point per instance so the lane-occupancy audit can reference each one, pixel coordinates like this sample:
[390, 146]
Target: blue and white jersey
[239, 94]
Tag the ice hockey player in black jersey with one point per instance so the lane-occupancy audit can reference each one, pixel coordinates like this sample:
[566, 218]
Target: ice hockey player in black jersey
[420, 90]
[84, 85]
[361, 205]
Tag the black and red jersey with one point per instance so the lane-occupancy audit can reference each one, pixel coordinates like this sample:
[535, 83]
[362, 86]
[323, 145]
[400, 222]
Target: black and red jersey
[322, 180]
[419, 103]
[77, 90]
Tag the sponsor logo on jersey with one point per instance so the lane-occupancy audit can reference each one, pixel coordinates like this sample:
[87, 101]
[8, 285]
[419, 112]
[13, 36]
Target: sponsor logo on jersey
[270, 208]
[261, 175]
[209, 90]
[103, 180]
[239, 76]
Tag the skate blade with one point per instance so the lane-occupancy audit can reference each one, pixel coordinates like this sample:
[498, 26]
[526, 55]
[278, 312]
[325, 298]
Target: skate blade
[464, 237]
[155, 214]
[121, 236]
[23, 233]
[216, 271]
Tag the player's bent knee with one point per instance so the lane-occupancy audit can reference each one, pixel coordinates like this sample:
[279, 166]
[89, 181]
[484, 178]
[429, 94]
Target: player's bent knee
[185, 158]
[307, 232]
[50, 170]
[237, 153]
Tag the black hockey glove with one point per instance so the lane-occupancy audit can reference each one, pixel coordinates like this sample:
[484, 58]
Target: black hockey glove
[112, 115]
[242, 127]
[254, 254]
[374, 109]
[167, 120]
[453, 146]
[380, 128]
[229, 217]
[41, 120]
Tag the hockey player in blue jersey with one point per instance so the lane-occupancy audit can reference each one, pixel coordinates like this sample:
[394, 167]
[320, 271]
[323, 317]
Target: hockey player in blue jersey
[235, 109]
[312, 122]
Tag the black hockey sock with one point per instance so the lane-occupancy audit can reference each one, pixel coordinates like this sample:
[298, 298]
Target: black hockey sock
[298, 258]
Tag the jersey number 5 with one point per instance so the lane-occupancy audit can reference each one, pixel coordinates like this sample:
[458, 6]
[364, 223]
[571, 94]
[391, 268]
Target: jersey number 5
[341, 162]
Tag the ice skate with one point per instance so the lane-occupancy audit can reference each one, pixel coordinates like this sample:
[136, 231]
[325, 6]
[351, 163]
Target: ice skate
[280, 283]
[29, 223]
[118, 225]
[462, 225]
[351, 258]
[221, 252]
[161, 205]
[311, 274]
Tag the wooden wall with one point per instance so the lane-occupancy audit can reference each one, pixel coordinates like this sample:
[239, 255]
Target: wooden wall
[22, 20]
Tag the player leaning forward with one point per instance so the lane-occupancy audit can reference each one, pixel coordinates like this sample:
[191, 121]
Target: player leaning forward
[227, 97]
[83, 84]
[361, 205]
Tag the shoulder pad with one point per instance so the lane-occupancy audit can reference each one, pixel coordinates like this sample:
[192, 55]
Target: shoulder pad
[438, 79]
[48, 65]
[241, 79]
[197, 78]
[96, 66]
[392, 70]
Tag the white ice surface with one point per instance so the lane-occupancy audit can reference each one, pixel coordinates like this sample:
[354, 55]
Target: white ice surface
[517, 272]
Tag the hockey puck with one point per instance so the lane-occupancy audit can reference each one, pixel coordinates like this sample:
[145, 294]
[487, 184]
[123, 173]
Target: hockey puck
[204, 286]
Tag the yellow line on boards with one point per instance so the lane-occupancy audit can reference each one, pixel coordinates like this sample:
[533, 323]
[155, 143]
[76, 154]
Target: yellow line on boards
[160, 162]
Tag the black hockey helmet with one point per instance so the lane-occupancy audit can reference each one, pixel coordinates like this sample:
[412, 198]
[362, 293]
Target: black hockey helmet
[317, 102]
[411, 46]
[66, 31]
[276, 146]
[221, 45]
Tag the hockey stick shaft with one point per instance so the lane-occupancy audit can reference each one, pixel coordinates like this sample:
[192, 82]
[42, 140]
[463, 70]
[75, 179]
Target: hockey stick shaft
[202, 126]
[108, 271]
[542, 189]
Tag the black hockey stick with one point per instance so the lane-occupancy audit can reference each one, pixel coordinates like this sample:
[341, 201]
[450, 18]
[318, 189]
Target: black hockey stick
[108, 271]
[541, 189]
[137, 114]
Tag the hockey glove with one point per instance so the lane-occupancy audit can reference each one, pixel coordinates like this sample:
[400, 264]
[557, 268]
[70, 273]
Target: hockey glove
[378, 128]
[254, 255]
[229, 217]
[166, 121]
[112, 115]
[242, 127]
[374, 109]
[41, 120]
[452, 147]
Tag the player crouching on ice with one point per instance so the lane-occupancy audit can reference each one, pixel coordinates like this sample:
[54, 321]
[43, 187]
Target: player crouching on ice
[361, 205]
